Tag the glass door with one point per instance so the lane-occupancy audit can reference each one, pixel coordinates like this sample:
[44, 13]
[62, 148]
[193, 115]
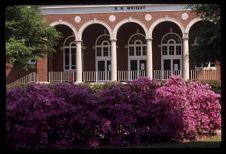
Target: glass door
[133, 70]
[103, 70]
[100, 70]
[176, 66]
[166, 68]
[137, 69]
[142, 68]
[108, 70]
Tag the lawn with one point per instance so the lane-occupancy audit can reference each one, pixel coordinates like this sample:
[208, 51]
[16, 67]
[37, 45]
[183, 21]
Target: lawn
[203, 142]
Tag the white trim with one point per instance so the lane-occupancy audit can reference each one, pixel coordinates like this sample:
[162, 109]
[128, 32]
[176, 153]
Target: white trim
[166, 18]
[130, 20]
[87, 9]
[191, 23]
[94, 21]
[62, 22]
[172, 39]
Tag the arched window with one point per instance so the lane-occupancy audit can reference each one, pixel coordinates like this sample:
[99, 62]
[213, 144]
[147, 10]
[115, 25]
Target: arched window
[137, 45]
[137, 51]
[171, 44]
[69, 53]
[103, 57]
[171, 54]
[103, 46]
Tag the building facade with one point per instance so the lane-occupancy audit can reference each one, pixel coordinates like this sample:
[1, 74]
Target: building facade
[119, 42]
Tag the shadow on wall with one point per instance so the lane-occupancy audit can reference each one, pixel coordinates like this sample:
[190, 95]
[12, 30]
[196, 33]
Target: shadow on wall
[13, 73]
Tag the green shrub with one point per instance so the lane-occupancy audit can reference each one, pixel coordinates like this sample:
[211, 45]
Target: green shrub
[100, 86]
[214, 85]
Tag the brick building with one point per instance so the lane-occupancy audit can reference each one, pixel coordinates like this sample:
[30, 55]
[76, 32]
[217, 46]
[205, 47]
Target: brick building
[120, 42]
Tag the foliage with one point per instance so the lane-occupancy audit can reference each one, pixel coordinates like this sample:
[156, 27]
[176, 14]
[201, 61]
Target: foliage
[209, 36]
[214, 85]
[65, 116]
[209, 12]
[199, 106]
[28, 36]
[99, 86]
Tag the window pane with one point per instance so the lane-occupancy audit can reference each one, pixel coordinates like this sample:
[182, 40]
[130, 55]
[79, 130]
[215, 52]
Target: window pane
[138, 51]
[101, 65]
[73, 59]
[98, 51]
[164, 50]
[171, 42]
[166, 64]
[105, 51]
[73, 50]
[138, 42]
[131, 51]
[144, 50]
[73, 67]
[66, 59]
[171, 50]
[176, 64]
[133, 65]
[178, 50]
[66, 51]
[105, 43]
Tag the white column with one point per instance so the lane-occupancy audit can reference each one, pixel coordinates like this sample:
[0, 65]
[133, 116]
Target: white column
[78, 61]
[149, 58]
[113, 60]
[185, 57]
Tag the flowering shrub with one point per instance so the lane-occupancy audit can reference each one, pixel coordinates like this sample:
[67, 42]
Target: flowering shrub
[144, 111]
[57, 116]
[199, 106]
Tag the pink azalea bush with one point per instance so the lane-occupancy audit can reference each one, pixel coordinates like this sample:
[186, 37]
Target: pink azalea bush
[65, 116]
[199, 106]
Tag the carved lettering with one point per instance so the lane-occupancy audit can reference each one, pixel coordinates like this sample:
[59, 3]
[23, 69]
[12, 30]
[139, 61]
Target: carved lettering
[130, 8]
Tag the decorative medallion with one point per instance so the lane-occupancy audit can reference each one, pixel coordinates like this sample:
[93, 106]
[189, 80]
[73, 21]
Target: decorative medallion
[112, 18]
[184, 16]
[77, 19]
[148, 17]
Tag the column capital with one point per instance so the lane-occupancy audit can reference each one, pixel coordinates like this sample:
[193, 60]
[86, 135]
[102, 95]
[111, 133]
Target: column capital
[149, 38]
[77, 41]
[185, 36]
[113, 40]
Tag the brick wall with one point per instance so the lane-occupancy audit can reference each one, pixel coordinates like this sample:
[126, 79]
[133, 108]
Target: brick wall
[13, 73]
[42, 70]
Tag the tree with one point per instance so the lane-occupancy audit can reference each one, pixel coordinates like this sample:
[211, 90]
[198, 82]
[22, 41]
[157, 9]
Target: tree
[28, 36]
[209, 35]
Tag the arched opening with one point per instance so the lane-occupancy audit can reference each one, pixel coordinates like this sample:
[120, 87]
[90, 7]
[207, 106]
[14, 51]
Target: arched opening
[56, 60]
[193, 42]
[62, 63]
[96, 54]
[167, 50]
[131, 52]
[201, 70]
